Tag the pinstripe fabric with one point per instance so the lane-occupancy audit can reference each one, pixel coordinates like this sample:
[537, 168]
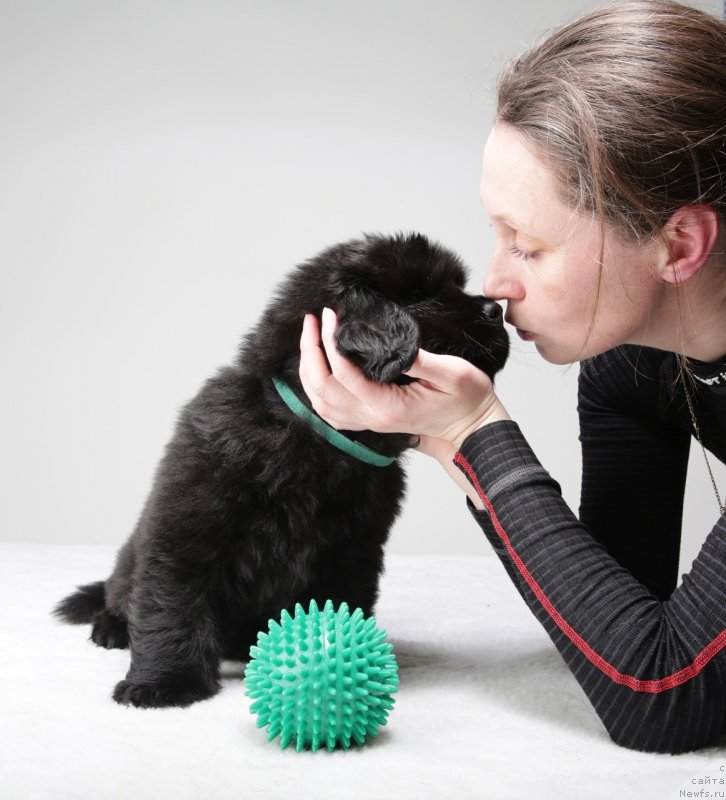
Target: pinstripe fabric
[650, 658]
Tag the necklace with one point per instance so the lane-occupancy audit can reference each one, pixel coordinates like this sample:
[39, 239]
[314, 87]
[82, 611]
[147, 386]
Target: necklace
[697, 434]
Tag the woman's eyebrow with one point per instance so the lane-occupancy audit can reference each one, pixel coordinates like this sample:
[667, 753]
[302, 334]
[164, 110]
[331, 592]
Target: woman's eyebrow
[516, 225]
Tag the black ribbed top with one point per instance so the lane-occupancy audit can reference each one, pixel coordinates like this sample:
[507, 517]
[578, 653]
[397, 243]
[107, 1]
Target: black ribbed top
[651, 658]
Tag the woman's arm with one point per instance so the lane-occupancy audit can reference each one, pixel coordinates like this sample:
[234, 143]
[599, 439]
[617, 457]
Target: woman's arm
[634, 462]
[653, 670]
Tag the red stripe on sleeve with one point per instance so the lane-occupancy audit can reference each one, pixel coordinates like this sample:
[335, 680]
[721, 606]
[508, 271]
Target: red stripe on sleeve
[652, 686]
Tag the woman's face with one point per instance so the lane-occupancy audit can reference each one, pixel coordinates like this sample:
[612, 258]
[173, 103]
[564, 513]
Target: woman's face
[546, 262]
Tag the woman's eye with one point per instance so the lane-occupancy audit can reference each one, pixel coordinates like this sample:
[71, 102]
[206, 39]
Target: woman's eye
[525, 255]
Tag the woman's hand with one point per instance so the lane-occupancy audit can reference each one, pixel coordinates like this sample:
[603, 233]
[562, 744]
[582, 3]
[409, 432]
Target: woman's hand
[450, 399]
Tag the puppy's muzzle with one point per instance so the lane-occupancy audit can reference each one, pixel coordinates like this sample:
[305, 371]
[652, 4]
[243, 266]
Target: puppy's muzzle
[492, 311]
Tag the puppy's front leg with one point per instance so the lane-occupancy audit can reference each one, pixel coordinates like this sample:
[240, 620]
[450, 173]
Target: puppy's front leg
[381, 338]
[174, 644]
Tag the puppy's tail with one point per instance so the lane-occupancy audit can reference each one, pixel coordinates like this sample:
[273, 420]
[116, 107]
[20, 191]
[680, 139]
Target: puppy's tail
[80, 606]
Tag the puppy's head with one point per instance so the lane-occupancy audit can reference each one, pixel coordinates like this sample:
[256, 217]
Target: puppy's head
[427, 280]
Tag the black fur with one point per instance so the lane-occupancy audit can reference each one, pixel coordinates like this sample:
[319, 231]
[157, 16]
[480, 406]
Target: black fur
[251, 511]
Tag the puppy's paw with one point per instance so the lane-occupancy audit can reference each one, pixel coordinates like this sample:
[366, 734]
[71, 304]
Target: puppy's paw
[110, 631]
[171, 691]
[383, 342]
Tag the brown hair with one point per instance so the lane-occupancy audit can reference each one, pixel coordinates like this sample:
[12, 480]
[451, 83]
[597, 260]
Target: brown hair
[627, 104]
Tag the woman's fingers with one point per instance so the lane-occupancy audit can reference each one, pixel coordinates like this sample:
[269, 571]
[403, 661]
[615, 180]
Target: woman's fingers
[381, 404]
[445, 373]
[314, 370]
[432, 370]
[327, 395]
[344, 371]
[312, 357]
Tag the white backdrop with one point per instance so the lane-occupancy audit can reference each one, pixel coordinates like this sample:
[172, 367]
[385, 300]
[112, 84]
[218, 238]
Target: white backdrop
[164, 163]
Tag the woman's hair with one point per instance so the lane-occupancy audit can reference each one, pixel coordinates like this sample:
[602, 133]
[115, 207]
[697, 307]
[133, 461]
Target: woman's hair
[627, 104]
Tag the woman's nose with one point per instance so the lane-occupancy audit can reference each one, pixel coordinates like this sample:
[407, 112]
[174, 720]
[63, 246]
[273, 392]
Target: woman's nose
[500, 284]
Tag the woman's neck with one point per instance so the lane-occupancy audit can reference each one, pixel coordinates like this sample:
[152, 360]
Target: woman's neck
[691, 318]
[697, 311]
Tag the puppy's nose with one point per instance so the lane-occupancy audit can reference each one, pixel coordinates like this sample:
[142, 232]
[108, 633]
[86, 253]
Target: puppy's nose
[492, 311]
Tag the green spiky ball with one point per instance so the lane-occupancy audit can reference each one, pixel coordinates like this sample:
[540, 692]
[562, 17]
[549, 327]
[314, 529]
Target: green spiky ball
[323, 678]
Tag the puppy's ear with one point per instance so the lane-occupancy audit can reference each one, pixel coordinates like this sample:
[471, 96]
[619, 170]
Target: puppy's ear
[382, 340]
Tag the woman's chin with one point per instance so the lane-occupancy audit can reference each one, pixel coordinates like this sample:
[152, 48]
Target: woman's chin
[555, 355]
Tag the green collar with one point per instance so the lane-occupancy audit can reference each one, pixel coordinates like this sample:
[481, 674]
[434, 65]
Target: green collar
[336, 438]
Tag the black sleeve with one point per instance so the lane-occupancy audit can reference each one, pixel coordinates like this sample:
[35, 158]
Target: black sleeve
[654, 670]
[634, 463]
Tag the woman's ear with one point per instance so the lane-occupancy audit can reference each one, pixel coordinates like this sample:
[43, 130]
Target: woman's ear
[690, 235]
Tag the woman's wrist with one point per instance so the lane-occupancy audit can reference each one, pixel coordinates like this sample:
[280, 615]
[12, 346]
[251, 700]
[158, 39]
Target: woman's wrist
[444, 450]
[494, 413]
[445, 457]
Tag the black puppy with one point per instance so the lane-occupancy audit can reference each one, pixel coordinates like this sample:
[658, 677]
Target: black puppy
[253, 508]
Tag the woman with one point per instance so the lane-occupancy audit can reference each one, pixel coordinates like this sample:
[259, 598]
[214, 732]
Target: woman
[604, 178]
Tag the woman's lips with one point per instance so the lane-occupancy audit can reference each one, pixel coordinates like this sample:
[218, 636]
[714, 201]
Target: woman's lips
[528, 336]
